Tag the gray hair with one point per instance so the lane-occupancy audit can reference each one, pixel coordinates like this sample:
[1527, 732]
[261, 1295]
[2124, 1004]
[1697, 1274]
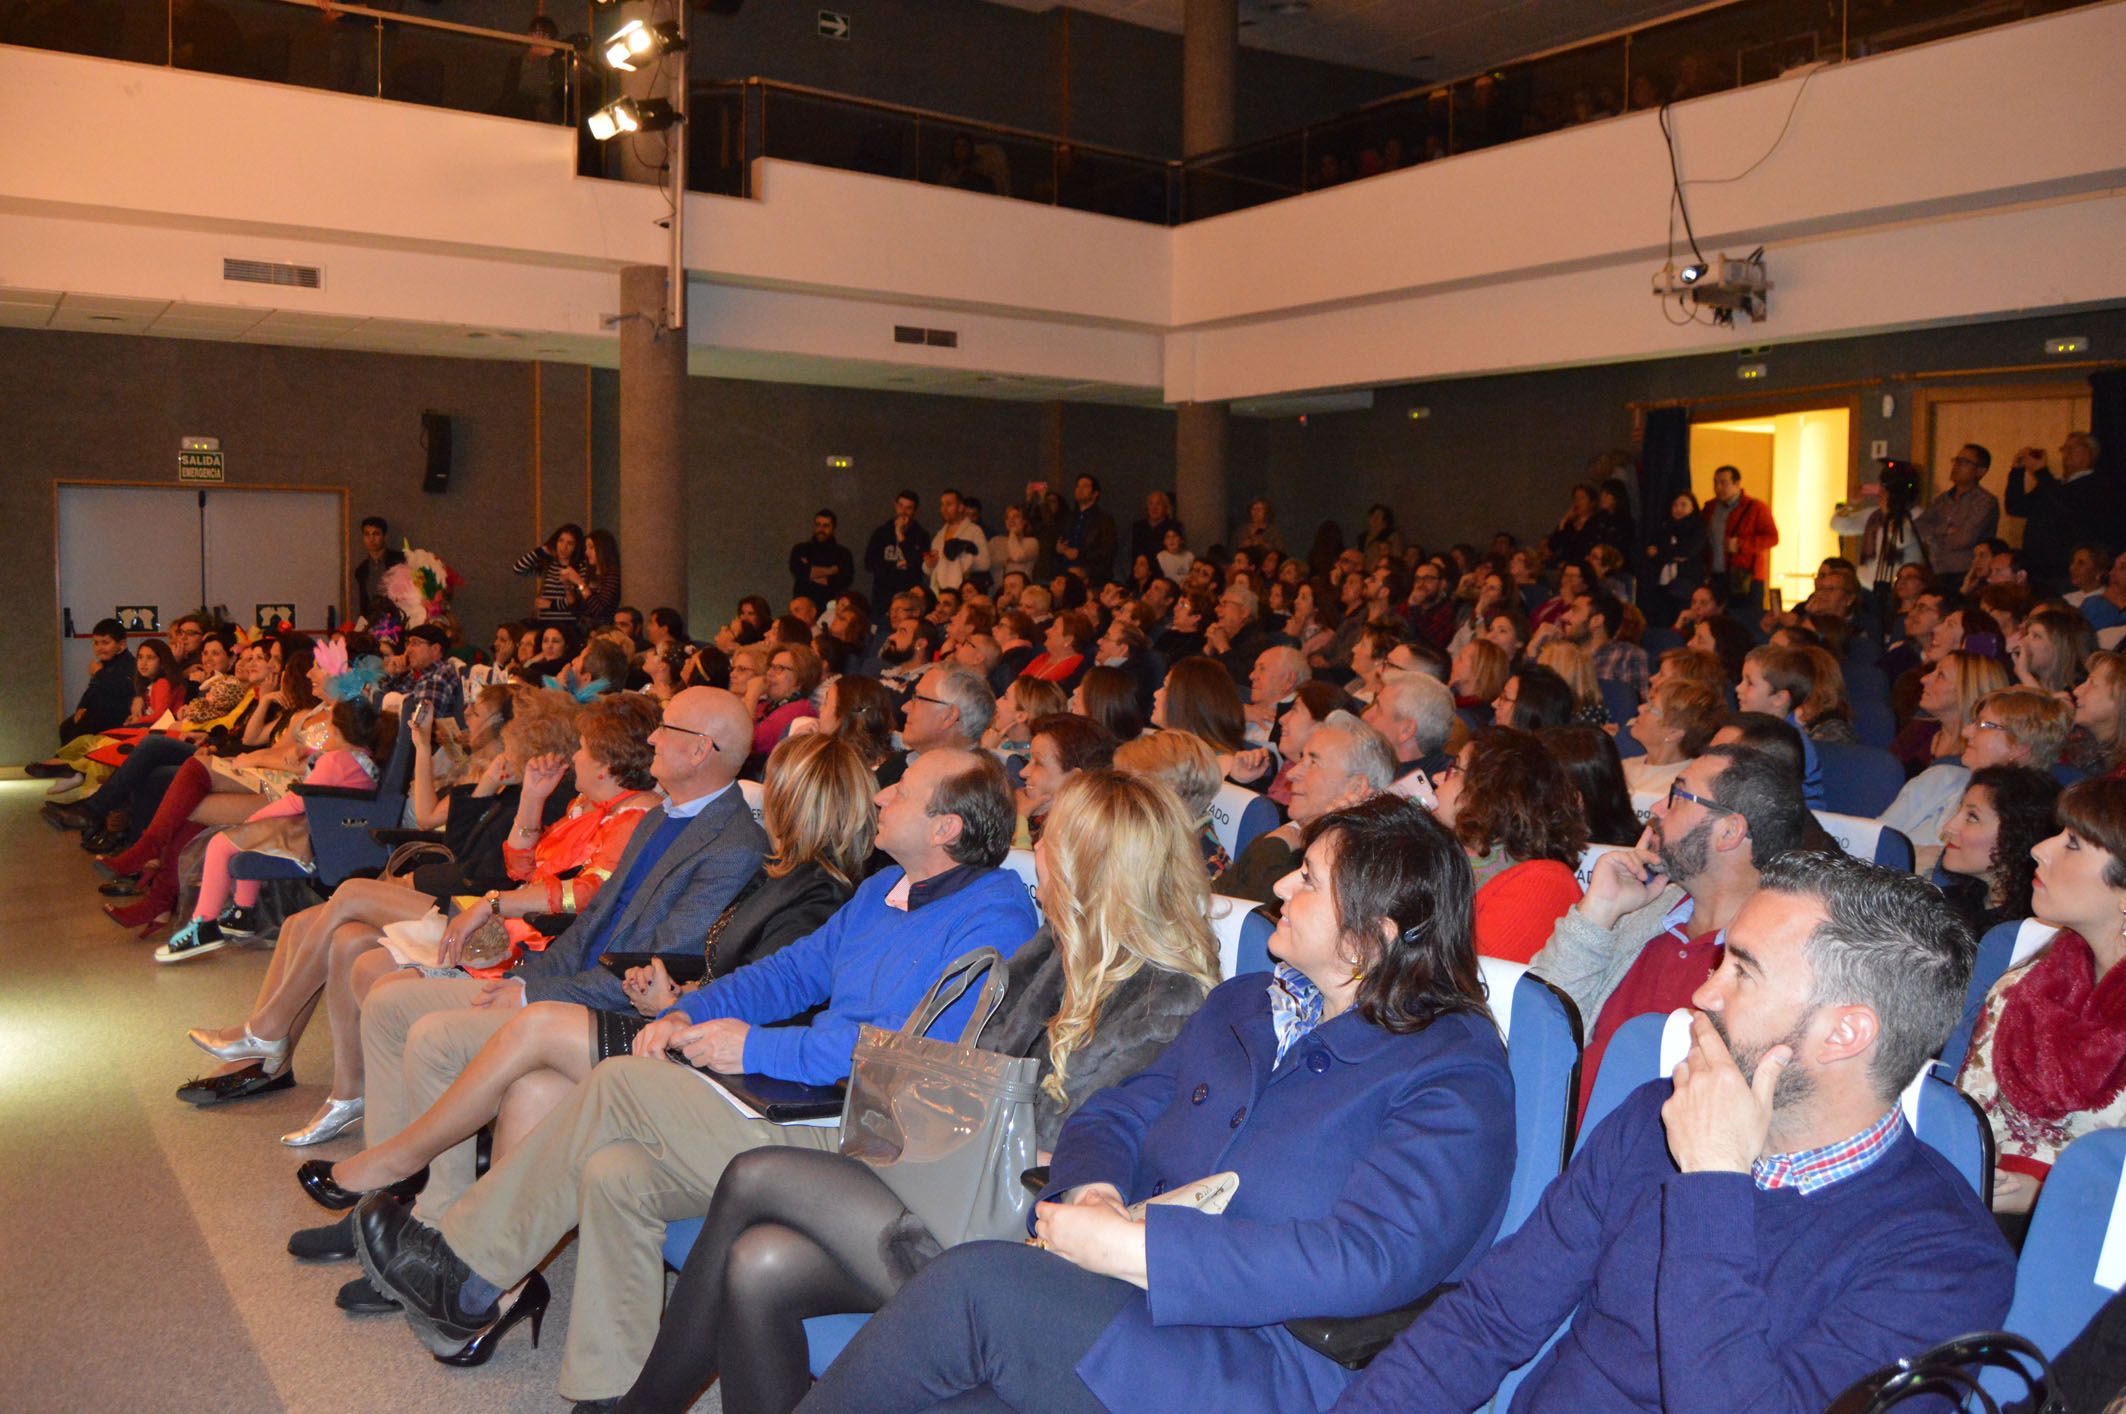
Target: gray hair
[1371, 756]
[980, 795]
[1425, 702]
[1244, 597]
[1890, 942]
[1293, 659]
[968, 692]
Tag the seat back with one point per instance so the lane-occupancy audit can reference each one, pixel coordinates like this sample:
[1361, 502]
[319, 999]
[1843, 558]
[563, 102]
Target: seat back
[2005, 945]
[1020, 862]
[2074, 1259]
[1874, 723]
[1868, 839]
[1644, 801]
[1238, 815]
[755, 795]
[1858, 780]
[1229, 918]
[1584, 870]
[1541, 1029]
[1255, 930]
[1620, 700]
[1644, 1048]
[340, 819]
[1951, 1123]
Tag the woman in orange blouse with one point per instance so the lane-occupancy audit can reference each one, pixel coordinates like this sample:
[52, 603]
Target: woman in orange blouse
[1515, 810]
[337, 946]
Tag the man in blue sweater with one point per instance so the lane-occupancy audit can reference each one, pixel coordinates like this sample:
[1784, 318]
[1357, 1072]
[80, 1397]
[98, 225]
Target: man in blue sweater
[1761, 1230]
[643, 1141]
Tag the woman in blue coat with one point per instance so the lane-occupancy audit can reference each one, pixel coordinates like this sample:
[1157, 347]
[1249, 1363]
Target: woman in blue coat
[1361, 1094]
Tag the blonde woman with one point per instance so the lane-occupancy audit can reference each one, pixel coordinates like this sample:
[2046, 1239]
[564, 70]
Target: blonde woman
[1011, 730]
[1185, 764]
[2099, 739]
[1947, 695]
[1123, 959]
[1572, 663]
[815, 809]
[2017, 726]
[1478, 676]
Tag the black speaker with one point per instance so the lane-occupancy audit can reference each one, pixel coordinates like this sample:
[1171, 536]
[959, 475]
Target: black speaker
[435, 438]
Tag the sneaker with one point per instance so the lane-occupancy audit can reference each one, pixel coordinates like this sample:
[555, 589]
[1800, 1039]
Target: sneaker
[195, 939]
[238, 922]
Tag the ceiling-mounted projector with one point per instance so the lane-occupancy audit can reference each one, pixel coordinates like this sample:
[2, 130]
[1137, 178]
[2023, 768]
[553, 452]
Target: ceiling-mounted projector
[1725, 285]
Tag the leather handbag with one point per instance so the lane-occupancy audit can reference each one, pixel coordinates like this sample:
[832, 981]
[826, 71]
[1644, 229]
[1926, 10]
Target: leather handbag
[949, 1127]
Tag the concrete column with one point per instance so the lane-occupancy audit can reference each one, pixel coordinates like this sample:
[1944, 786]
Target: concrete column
[1199, 472]
[1210, 56]
[653, 388]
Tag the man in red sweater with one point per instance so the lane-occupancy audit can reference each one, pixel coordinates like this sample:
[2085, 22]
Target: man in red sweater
[1739, 536]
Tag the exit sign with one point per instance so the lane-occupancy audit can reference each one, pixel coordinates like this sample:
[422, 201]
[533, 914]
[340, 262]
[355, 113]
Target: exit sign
[199, 459]
[833, 25]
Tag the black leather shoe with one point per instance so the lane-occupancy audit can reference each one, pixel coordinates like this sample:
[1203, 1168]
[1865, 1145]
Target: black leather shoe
[359, 1298]
[100, 841]
[124, 886]
[66, 817]
[315, 1176]
[334, 1242]
[236, 1085]
[592, 1406]
[409, 1261]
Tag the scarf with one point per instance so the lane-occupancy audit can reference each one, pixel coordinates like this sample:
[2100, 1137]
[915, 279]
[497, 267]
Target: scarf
[1296, 1006]
[2060, 1045]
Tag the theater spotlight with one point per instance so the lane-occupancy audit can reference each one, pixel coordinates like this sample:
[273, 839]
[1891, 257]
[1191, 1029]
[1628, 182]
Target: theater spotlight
[629, 115]
[635, 42]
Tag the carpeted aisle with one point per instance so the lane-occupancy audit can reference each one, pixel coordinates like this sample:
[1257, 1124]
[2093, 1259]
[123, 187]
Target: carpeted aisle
[142, 1238]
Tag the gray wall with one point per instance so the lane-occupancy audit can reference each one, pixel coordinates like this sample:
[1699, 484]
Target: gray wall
[1502, 453]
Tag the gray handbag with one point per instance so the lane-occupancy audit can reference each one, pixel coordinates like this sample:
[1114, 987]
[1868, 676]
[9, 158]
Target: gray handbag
[948, 1126]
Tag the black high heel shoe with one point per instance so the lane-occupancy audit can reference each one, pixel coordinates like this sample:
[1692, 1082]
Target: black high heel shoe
[315, 1176]
[531, 1301]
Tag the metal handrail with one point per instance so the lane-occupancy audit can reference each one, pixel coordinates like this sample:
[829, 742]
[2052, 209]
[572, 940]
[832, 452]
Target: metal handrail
[332, 9]
[971, 125]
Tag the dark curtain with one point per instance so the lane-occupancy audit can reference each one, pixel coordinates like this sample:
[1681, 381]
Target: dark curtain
[1664, 474]
[2107, 423]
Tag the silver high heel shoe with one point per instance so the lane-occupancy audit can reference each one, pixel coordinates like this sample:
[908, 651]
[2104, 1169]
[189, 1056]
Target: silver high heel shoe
[335, 1119]
[246, 1047]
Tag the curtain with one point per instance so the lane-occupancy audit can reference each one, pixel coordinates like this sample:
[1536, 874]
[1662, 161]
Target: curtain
[1664, 474]
[2107, 423]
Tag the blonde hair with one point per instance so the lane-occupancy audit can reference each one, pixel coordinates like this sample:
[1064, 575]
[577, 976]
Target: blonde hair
[1124, 888]
[1181, 761]
[1038, 697]
[1975, 676]
[2112, 667]
[544, 724]
[816, 806]
[754, 653]
[1570, 662]
[1690, 665]
[1489, 667]
[2035, 720]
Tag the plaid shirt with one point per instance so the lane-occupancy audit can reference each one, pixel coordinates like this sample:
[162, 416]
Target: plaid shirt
[1618, 661]
[1812, 1169]
[439, 686]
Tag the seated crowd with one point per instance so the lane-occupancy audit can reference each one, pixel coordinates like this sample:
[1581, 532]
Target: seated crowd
[631, 856]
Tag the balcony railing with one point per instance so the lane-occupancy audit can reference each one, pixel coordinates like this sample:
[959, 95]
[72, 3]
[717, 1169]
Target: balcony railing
[343, 48]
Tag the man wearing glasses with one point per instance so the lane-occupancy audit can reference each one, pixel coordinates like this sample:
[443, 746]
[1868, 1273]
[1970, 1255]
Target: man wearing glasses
[948, 711]
[1430, 613]
[1963, 515]
[1648, 932]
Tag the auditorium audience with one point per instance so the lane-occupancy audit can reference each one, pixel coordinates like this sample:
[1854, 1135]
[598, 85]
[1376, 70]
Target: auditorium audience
[1769, 1187]
[1948, 697]
[2048, 1056]
[558, 565]
[1532, 699]
[2098, 742]
[1513, 808]
[1345, 762]
[2017, 726]
[1589, 756]
[1374, 1175]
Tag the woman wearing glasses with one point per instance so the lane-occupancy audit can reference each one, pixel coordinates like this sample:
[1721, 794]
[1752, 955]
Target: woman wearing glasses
[2017, 726]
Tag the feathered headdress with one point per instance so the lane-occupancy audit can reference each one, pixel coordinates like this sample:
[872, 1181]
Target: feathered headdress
[345, 680]
[421, 587]
[584, 693]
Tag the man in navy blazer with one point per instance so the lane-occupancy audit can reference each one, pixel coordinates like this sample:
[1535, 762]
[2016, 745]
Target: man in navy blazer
[685, 862]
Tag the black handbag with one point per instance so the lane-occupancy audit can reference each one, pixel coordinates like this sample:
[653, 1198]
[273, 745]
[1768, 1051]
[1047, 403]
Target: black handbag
[1353, 1341]
[1949, 1371]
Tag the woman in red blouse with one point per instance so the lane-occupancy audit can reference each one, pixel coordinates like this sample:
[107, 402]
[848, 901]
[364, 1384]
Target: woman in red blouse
[1069, 636]
[1514, 809]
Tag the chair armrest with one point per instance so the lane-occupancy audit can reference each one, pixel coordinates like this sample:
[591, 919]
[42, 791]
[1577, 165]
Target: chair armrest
[393, 838]
[311, 792]
[1353, 1341]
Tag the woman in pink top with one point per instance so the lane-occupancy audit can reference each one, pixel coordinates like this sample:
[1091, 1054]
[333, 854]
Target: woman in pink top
[782, 695]
[344, 760]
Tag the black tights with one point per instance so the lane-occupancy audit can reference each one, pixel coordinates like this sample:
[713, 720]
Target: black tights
[791, 1233]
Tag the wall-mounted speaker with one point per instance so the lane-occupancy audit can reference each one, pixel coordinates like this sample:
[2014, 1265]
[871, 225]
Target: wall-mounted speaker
[435, 440]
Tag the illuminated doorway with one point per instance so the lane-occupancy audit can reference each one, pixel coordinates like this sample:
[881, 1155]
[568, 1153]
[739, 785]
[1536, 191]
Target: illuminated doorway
[1798, 463]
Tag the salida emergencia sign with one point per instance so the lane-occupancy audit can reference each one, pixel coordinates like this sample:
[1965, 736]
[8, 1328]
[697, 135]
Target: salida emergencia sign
[199, 459]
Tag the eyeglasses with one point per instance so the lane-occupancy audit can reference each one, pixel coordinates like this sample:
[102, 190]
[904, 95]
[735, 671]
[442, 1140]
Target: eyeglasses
[675, 727]
[1676, 793]
[1440, 776]
[1983, 726]
[933, 701]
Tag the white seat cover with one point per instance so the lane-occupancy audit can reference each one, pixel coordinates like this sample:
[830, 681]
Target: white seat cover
[1020, 862]
[1675, 1042]
[1644, 801]
[1856, 835]
[1584, 870]
[1226, 809]
[2111, 1258]
[2029, 939]
[1908, 1098]
[1228, 916]
[1501, 978]
[755, 795]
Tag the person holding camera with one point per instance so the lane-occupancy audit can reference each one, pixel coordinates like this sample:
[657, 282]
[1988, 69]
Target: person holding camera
[2059, 511]
[1889, 531]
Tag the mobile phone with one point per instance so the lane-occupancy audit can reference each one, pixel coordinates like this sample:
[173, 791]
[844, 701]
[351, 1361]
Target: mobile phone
[1775, 600]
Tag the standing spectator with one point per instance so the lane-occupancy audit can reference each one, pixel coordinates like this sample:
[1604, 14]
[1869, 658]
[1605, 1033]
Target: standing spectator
[377, 557]
[1086, 539]
[1889, 531]
[555, 601]
[1261, 532]
[1611, 523]
[1381, 540]
[1148, 536]
[596, 586]
[1962, 516]
[895, 555]
[2058, 511]
[821, 569]
[1739, 536]
[1018, 549]
[1571, 540]
[961, 551]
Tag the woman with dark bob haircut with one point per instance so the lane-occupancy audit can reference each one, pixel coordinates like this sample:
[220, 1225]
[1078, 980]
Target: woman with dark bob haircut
[1514, 809]
[1359, 1093]
[1589, 756]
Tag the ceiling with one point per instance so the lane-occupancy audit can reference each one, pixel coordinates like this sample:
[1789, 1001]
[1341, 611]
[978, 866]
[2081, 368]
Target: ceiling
[1420, 39]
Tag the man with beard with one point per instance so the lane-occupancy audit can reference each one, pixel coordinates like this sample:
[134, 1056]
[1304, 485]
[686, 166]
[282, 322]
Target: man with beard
[1760, 1229]
[1647, 934]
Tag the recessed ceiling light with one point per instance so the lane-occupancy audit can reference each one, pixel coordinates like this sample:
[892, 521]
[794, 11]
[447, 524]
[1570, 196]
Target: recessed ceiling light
[1290, 7]
[107, 319]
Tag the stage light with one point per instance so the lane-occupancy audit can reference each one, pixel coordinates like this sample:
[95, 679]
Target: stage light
[636, 42]
[629, 115]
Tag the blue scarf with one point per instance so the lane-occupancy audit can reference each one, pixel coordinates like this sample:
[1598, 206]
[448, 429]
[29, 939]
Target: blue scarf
[1295, 1008]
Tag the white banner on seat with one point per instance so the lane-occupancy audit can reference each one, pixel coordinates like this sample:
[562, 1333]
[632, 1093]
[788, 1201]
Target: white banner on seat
[1501, 979]
[1228, 916]
[1908, 1100]
[1675, 1042]
[2111, 1260]
[2029, 939]
[1020, 862]
[1584, 870]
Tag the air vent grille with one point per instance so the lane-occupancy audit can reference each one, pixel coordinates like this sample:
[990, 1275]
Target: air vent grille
[935, 338]
[270, 272]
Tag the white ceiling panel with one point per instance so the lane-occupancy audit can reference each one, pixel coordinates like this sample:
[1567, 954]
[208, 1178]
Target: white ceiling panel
[33, 299]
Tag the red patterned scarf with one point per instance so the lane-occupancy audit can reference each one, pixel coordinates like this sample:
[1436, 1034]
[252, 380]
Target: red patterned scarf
[2061, 1044]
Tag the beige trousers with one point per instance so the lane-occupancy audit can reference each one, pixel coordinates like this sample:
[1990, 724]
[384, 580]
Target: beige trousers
[417, 1034]
[639, 1144]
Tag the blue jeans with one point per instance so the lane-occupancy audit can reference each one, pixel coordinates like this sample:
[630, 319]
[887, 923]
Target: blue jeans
[990, 1325]
[134, 787]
